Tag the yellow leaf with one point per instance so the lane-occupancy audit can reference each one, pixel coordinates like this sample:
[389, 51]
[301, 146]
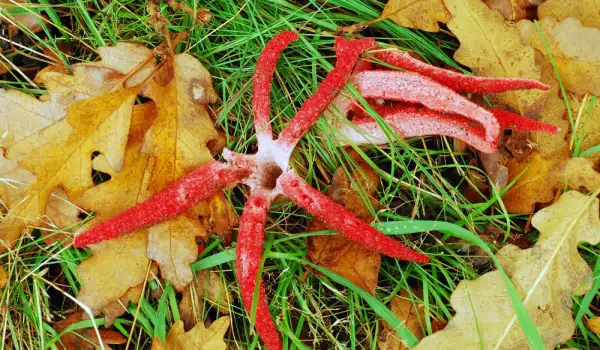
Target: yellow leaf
[419, 14]
[511, 10]
[338, 254]
[541, 179]
[99, 124]
[584, 10]
[207, 285]
[172, 244]
[575, 51]
[199, 338]
[178, 142]
[594, 324]
[3, 277]
[545, 276]
[491, 47]
[120, 264]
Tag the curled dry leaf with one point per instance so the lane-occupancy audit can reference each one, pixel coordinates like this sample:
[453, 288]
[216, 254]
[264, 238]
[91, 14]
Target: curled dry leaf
[574, 48]
[418, 14]
[207, 285]
[491, 47]
[86, 338]
[584, 10]
[545, 276]
[338, 254]
[199, 338]
[413, 315]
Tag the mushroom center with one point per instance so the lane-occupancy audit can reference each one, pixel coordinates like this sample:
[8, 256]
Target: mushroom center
[270, 174]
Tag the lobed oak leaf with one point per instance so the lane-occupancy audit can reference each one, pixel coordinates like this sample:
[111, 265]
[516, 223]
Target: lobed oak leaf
[178, 142]
[545, 276]
[116, 266]
[199, 338]
[574, 48]
[585, 11]
[86, 338]
[418, 14]
[206, 286]
[127, 57]
[99, 123]
[412, 314]
[338, 254]
[491, 47]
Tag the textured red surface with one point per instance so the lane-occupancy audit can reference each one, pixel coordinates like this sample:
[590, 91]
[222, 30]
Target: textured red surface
[457, 81]
[247, 264]
[411, 87]
[263, 76]
[195, 187]
[347, 52]
[339, 219]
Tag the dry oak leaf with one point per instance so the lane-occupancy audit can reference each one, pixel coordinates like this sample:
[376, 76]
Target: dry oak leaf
[541, 178]
[594, 324]
[338, 254]
[199, 338]
[85, 338]
[177, 141]
[545, 276]
[100, 124]
[413, 316]
[511, 10]
[418, 14]
[587, 11]
[120, 264]
[207, 285]
[574, 48]
[491, 47]
[3, 277]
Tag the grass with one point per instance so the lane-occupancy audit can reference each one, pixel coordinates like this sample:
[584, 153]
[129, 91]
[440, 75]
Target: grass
[420, 179]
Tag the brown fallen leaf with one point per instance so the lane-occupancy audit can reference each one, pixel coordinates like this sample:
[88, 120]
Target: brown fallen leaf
[543, 177]
[338, 254]
[3, 277]
[574, 48]
[418, 14]
[207, 285]
[177, 140]
[545, 276]
[85, 338]
[199, 338]
[413, 316]
[491, 47]
[584, 10]
[511, 10]
[594, 324]
[116, 266]
[119, 307]
[99, 123]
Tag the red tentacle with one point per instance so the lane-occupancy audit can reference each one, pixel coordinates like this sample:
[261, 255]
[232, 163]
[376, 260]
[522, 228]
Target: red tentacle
[341, 220]
[263, 77]
[247, 264]
[411, 87]
[195, 187]
[347, 52]
[457, 81]
[513, 121]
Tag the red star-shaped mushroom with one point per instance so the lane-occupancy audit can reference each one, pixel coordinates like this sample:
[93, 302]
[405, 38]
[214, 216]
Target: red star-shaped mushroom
[268, 174]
